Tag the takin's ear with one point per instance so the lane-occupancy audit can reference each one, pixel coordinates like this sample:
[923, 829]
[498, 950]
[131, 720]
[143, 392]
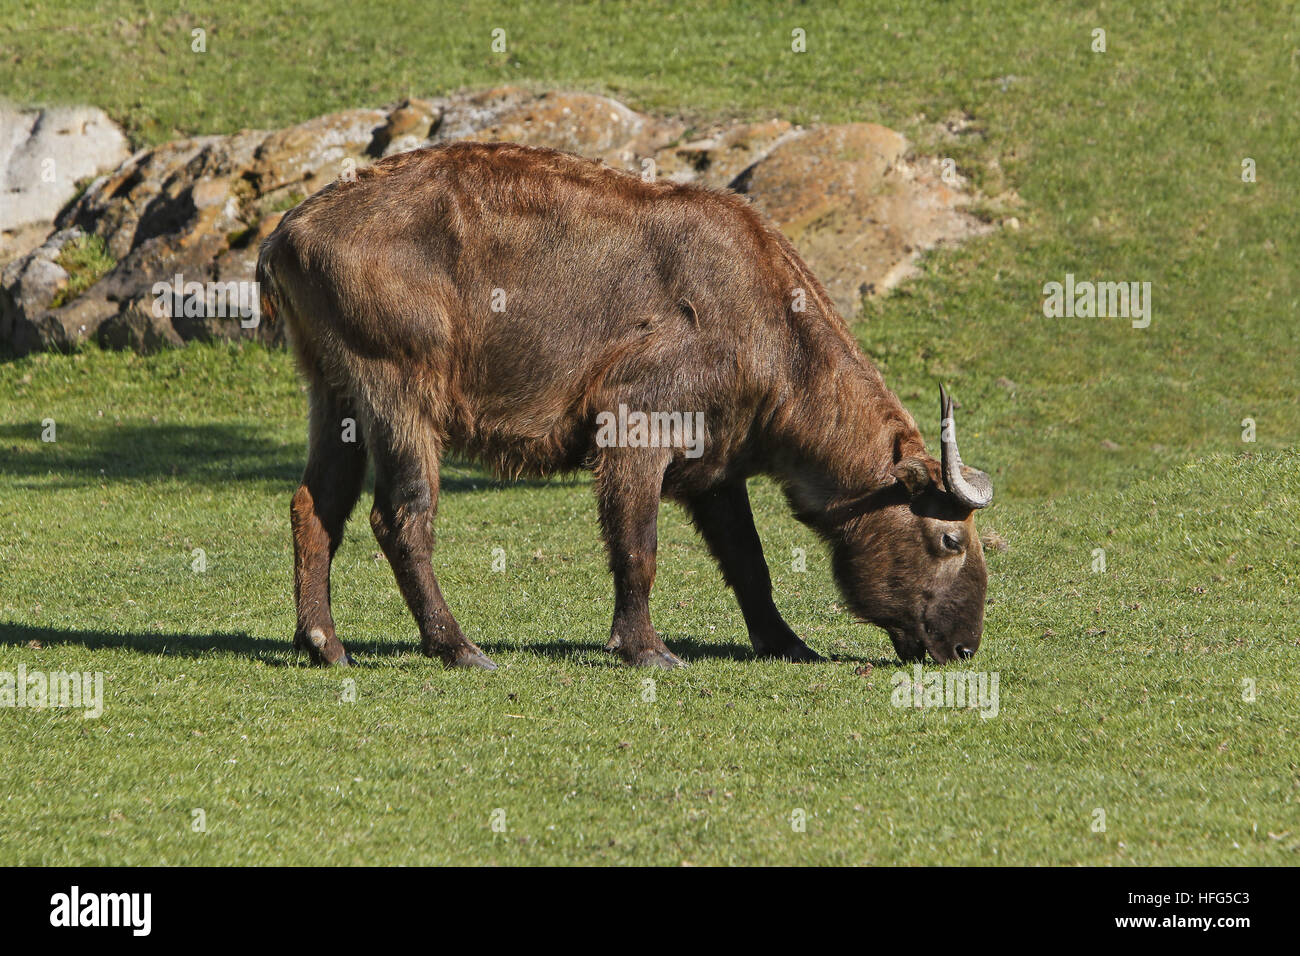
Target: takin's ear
[913, 474]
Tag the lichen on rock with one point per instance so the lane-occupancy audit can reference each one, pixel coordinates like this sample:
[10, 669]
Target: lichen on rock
[852, 198]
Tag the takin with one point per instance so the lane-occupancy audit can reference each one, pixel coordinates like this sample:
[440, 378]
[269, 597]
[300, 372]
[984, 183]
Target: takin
[543, 313]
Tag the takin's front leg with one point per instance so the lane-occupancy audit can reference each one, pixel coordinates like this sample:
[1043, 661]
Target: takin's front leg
[628, 483]
[406, 498]
[725, 521]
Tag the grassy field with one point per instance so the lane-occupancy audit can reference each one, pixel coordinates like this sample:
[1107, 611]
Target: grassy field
[1122, 690]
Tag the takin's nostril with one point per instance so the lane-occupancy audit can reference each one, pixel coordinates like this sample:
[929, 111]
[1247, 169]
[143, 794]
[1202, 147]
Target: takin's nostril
[963, 651]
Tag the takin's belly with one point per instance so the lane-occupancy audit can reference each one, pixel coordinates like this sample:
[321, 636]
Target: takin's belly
[538, 419]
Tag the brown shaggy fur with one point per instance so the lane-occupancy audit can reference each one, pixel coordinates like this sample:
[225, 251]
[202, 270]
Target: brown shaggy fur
[608, 290]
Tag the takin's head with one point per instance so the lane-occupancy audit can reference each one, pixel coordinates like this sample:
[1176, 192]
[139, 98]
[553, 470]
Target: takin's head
[912, 562]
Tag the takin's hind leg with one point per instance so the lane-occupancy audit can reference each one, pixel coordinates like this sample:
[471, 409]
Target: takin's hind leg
[406, 499]
[331, 484]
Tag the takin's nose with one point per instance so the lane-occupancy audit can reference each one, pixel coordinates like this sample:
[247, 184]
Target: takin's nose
[963, 651]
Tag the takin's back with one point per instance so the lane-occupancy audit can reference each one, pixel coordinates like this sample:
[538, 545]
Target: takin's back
[510, 293]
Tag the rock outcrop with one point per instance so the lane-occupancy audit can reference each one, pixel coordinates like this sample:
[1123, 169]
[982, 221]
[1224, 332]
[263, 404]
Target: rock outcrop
[45, 155]
[191, 213]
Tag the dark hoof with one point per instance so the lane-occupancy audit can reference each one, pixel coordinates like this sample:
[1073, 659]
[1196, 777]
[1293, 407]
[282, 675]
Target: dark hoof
[324, 651]
[665, 660]
[799, 654]
[787, 647]
[470, 657]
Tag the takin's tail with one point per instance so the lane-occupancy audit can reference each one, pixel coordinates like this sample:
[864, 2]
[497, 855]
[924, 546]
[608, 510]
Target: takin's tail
[268, 293]
[281, 291]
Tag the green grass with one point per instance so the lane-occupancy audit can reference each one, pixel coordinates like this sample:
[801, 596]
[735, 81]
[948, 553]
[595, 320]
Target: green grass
[85, 259]
[1120, 690]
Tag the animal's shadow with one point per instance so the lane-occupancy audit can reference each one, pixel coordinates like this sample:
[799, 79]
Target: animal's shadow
[202, 454]
[281, 653]
[273, 653]
[188, 453]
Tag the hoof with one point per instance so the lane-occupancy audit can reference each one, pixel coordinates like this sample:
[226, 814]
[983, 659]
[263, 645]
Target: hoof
[470, 657]
[324, 651]
[787, 647]
[665, 660]
[799, 654]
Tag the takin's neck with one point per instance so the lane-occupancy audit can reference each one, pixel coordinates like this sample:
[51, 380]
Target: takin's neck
[838, 430]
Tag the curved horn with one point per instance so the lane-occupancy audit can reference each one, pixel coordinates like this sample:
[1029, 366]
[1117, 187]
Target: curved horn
[968, 485]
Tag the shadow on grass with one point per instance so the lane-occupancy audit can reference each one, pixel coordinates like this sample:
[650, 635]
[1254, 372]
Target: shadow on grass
[207, 453]
[271, 652]
[688, 648]
[693, 648]
[593, 654]
[199, 453]
[276, 653]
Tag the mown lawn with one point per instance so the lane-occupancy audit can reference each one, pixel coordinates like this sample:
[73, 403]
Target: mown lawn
[1121, 690]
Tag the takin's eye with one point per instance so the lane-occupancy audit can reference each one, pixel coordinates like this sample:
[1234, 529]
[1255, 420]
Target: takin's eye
[951, 542]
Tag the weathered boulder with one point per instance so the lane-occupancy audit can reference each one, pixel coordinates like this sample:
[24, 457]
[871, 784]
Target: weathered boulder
[191, 214]
[31, 315]
[44, 156]
[195, 210]
[722, 155]
[407, 127]
[587, 124]
[305, 157]
[854, 205]
[574, 122]
[138, 329]
[45, 153]
[21, 240]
